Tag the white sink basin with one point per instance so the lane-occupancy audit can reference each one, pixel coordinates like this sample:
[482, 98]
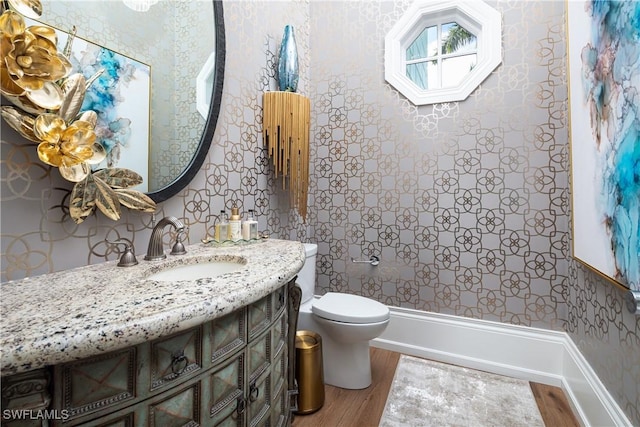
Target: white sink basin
[196, 271]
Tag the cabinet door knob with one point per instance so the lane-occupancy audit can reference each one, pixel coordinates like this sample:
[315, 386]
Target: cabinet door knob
[254, 392]
[242, 404]
[179, 363]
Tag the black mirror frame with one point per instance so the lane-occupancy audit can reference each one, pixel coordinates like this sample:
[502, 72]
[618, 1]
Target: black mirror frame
[214, 111]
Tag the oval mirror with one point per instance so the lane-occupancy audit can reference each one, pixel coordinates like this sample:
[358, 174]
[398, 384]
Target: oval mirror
[181, 45]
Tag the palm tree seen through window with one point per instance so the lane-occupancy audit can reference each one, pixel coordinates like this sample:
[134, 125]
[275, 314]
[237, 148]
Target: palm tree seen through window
[441, 56]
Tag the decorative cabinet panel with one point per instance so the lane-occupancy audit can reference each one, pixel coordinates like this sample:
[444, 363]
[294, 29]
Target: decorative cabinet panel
[279, 369]
[227, 335]
[102, 383]
[259, 316]
[259, 398]
[179, 408]
[280, 408]
[227, 387]
[231, 371]
[179, 355]
[124, 421]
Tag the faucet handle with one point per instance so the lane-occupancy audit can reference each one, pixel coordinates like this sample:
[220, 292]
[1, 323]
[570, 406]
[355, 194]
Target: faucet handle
[178, 246]
[128, 258]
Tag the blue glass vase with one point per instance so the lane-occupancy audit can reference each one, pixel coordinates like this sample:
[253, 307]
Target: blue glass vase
[288, 62]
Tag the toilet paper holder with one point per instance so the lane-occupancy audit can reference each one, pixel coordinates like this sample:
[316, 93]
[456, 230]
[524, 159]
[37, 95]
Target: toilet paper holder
[373, 260]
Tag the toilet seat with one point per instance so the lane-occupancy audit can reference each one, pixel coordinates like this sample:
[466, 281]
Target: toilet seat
[349, 308]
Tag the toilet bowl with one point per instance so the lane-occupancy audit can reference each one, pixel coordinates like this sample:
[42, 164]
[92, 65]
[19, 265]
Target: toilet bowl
[346, 323]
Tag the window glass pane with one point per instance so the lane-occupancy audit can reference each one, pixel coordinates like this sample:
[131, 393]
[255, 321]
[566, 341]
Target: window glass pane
[426, 42]
[456, 68]
[423, 74]
[456, 39]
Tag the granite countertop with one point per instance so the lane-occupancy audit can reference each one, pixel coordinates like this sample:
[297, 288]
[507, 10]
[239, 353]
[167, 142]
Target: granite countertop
[73, 314]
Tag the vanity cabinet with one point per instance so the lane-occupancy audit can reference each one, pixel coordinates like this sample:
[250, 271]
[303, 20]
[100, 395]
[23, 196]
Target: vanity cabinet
[229, 371]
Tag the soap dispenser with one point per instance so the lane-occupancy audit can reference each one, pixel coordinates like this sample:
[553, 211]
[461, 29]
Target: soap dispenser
[235, 232]
[250, 227]
[221, 232]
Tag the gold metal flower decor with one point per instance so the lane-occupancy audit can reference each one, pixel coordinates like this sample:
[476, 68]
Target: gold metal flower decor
[47, 100]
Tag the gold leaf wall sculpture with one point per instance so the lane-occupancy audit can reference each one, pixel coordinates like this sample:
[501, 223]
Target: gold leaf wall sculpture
[285, 129]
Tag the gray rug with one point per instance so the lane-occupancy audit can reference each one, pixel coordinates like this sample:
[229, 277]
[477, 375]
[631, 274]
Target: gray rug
[427, 393]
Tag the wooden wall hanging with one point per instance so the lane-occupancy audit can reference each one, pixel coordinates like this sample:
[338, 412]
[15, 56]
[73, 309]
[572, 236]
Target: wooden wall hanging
[285, 129]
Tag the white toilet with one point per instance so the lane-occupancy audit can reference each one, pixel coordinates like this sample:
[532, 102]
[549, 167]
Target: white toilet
[346, 324]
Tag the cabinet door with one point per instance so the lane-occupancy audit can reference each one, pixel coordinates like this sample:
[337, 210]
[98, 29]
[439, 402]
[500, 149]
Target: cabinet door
[228, 335]
[178, 356]
[99, 384]
[259, 316]
[226, 385]
[279, 371]
[258, 356]
[178, 409]
[259, 376]
[280, 407]
[279, 335]
[259, 399]
[127, 420]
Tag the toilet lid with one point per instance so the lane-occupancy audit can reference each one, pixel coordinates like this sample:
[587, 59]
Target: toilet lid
[349, 308]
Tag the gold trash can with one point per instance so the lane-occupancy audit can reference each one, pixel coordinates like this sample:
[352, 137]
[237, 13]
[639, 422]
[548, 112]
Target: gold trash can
[309, 372]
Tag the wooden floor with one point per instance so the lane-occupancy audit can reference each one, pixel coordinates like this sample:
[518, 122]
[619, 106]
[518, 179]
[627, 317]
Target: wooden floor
[362, 408]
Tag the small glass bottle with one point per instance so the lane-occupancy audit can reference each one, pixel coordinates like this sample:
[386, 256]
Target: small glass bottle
[246, 227]
[222, 228]
[252, 227]
[235, 231]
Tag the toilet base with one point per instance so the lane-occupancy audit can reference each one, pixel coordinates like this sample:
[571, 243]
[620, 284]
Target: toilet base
[347, 365]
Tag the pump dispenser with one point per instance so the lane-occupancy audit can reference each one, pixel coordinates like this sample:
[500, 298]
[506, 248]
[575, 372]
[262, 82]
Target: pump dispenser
[235, 230]
[222, 228]
[250, 227]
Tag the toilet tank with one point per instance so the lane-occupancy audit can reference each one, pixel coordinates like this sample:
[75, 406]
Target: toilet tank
[307, 276]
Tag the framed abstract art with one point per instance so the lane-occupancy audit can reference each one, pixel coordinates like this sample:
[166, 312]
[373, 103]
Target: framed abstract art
[604, 106]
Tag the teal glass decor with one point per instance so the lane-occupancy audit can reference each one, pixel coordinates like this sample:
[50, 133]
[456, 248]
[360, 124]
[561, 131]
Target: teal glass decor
[288, 62]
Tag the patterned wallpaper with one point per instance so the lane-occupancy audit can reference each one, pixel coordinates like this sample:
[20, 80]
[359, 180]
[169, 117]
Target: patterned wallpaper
[467, 204]
[607, 335]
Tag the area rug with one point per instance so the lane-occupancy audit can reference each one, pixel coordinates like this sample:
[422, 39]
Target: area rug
[427, 393]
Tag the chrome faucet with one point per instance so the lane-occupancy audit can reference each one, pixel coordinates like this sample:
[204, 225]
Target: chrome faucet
[155, 249]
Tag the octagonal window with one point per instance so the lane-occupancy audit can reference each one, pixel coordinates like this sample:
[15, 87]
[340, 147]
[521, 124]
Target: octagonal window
[441, 51]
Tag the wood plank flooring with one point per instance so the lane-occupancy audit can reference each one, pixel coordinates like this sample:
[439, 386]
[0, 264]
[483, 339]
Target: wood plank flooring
[363, 408]
[554, 406]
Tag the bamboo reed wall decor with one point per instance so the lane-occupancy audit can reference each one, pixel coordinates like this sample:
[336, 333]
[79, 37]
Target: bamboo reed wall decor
[285, 129]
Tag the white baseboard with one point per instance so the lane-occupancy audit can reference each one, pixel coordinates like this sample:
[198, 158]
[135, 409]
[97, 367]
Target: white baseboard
[539, 355]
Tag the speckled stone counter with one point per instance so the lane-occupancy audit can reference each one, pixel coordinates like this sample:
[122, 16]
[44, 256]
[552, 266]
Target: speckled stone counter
[73, 314]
